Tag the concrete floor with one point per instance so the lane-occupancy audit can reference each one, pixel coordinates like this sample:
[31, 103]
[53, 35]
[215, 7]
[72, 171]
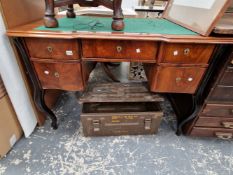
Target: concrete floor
[66, 151]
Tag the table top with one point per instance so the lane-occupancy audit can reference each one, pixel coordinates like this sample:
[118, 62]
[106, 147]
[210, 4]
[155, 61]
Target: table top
[32, 30]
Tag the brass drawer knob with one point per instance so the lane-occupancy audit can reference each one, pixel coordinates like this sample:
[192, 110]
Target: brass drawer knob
[50, 49]
[232, 62]
[119, 49]
[56, 74]
[224, 136]
[228, 125]
[178, 79]
[186, 51]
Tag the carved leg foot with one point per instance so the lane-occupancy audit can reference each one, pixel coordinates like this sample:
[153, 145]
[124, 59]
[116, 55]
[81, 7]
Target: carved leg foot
[49, 20]
[70, 12]
[118, 23]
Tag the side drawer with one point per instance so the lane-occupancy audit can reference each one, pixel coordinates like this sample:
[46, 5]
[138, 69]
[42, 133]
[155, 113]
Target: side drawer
[221, 94]
[225, 134]
[110, 119]
[120, 49]
[215, 122]
[56, 75]
[218, 110]
[227, 79]
[174, 79]
[185, 53]
[45, 48]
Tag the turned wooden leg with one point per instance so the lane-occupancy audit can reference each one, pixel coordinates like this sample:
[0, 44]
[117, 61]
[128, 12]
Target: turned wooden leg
[118, 23]
[49, 19]
[70, 11]
[37, 90]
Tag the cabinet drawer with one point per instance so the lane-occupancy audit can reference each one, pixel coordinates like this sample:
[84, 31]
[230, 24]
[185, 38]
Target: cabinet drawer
[117, 49]
[212, 132]
[221, 94]
[65, 76]
[218, 110]
[175, 79]
[185, 53]
[216, 122]
[52, 48]
[227, 79]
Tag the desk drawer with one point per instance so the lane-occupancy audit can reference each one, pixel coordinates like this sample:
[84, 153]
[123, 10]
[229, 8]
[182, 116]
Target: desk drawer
[117, 49]
[227, 79]
[212, 132]
[221, 94]
[218, 110]
[52, 48]
[215, 122]
[65, 76]
[185, 53]
[175, 79]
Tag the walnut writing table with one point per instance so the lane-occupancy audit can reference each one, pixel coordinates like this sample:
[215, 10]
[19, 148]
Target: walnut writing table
[175, 62]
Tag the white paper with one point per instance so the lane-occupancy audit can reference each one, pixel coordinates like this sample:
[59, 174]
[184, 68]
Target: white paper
[205, 4]
[14, 84]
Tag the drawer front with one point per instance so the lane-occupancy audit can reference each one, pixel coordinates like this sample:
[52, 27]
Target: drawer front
[212, 132]
[176, 79]
[117, 49]
[218, 110]
[65, 76]
[222, 94]
[227, 79]
[185, 53]
[215, 122]
[52, 48]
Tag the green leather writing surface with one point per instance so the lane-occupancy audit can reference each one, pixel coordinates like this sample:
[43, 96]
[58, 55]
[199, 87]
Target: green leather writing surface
[132, 25]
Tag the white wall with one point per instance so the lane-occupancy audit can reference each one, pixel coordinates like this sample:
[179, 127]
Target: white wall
[14, 84]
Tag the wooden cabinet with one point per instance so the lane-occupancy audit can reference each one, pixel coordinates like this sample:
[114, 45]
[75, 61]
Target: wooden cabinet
[175, 79]
[46, 48]
[57, 75]
[215, 118]
[119, 50]
[185, 53]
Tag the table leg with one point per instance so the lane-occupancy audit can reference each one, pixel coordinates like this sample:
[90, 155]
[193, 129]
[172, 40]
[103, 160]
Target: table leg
[70, 11]
[118, 23]
[49, 19]
[37, 90]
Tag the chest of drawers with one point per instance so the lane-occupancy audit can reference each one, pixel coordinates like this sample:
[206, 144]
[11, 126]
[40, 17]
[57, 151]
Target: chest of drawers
[215, 118]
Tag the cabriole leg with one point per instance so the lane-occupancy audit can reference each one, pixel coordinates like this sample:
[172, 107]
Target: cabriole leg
[37, 90]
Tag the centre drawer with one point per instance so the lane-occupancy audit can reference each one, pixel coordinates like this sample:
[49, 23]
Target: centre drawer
[121, 118]
[119, 49]
[185, 53]
[174, 79]
[59, 75]
[45, 48]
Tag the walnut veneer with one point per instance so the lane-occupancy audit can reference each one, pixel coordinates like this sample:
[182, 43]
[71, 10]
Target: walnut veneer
[64, 60]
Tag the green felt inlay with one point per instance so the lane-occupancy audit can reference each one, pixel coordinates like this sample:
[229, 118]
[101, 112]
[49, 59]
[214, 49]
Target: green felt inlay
[132, 25]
